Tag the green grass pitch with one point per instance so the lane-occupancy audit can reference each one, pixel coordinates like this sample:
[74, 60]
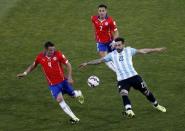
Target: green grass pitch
[26, 105]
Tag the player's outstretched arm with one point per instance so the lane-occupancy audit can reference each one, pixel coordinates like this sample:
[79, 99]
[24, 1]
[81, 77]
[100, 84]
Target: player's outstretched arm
[150, 50]
[28, 70]
[93, 62]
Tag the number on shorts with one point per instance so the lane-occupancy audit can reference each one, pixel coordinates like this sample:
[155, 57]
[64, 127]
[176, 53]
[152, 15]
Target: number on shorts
[143, 84]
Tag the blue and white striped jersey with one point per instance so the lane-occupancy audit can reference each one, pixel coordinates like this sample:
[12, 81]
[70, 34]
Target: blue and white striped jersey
[123, 62]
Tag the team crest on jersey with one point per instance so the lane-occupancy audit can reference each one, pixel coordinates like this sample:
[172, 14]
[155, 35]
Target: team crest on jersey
[54, 58]
[106, 23]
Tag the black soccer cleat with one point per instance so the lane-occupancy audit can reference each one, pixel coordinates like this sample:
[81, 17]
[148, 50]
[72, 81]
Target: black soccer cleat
[74, 120]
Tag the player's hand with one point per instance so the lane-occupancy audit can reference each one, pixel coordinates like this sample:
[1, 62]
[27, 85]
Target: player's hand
[70, 80]
[83, 65]
[112, 44]
[20, 75]
[161, 49]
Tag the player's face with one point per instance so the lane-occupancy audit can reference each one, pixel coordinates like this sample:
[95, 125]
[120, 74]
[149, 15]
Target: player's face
[102, 12]
[119, 46]
[50, 51]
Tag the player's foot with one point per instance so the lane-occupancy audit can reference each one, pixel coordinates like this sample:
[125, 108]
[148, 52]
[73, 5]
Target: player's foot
[74, 120]
[80, 97]
[129, 114]
[160, 108]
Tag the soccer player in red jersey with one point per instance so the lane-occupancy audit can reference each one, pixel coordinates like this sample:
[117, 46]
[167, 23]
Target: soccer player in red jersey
[105, 32]
[51, 62]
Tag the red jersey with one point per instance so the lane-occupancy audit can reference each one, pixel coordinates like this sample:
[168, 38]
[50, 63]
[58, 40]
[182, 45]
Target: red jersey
[104, 29]
[52, 66]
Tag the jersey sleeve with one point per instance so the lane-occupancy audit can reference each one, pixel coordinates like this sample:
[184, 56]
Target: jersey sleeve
[133, 51]
[62, 58]
[37, 60]
[107, 58]
[92, 19]
[113, 25]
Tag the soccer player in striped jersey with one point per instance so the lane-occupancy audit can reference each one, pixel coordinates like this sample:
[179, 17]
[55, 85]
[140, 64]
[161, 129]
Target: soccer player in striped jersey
[51, 61]
[105, 32]
[126, 74]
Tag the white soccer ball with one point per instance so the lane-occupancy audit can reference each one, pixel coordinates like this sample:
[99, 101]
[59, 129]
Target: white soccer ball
[93, 81]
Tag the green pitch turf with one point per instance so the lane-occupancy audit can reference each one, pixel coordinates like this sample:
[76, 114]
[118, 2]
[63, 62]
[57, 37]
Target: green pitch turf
[26, 105]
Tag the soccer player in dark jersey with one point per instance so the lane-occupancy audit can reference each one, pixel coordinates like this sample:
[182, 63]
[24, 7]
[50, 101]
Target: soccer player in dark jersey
[51, 62]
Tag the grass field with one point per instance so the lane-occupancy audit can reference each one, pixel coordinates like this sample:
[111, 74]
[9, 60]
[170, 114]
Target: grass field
[27, 104]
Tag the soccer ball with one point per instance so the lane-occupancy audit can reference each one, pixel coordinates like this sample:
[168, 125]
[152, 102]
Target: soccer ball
[93, 81]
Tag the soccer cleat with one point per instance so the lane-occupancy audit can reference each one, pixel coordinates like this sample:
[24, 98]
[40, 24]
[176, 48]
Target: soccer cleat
[160, 108]
[74, 120]
[129, 114]
[80, 97]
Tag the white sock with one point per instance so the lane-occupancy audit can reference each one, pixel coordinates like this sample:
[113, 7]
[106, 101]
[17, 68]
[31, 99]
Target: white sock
[111, 65]
[77, 93]
[128, 106]
[155, 103]
[66, 109]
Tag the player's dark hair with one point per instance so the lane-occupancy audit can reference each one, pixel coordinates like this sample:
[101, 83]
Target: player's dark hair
[48, 44]
[120, 39]
[102, 6]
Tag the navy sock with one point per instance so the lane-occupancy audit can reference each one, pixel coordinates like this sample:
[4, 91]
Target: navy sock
[152, 99]
[126, 102]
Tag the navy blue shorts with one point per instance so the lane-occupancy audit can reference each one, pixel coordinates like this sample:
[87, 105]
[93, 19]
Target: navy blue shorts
[104, 47]
[64, 87]
[136, 82]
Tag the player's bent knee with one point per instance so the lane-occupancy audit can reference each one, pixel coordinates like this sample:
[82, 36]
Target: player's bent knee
[124, 92]
[59, 99]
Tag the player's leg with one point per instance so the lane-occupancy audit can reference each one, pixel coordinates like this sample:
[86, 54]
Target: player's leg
[57, 94]
[124, 90]
[66, 109]
[140, 85]
[103, 50]
[67, 88]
